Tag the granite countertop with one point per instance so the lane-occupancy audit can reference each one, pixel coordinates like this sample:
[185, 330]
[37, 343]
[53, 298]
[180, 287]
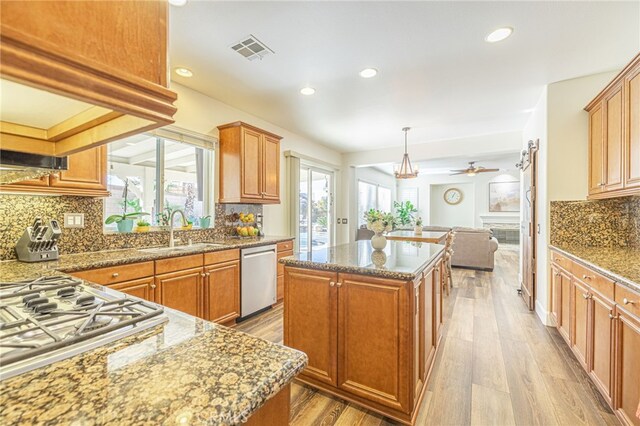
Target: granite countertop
[68, 263]
[401, 260]
[621, 264]
[188, 371]
[426, 236]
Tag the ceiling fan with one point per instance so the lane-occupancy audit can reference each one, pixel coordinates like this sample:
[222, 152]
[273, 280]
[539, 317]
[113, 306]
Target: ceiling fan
[472, 170]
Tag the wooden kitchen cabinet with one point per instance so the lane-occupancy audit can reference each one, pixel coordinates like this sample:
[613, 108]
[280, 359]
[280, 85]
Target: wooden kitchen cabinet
[428, 335]
[103, 83]
[314, 331]
[556, 294]
[222, 291]
[143, 288]
[614, 136]
[181, 290]
[249, 165]
[579, 321]
[86, 176]
[601, 336]
[627, 367]
[280, 285]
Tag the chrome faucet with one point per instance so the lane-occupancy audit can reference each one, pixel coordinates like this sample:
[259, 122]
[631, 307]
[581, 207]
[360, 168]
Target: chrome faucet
[172, 241]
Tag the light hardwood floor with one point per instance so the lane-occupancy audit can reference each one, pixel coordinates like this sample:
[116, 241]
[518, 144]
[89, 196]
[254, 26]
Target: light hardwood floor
[498, 365]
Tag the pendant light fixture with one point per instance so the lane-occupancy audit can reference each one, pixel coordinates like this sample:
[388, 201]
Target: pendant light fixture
[405, 171]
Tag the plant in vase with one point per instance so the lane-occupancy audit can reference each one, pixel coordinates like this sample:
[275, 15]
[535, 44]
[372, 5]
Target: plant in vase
[417, 228]
[142, 226]
[404, 211]
[124, 221]
[379, 222]
[205, 222]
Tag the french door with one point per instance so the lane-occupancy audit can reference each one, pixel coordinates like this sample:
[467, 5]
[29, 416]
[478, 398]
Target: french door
[315, 227]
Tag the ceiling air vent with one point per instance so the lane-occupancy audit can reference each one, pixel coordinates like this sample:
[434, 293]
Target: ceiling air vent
[251, 48]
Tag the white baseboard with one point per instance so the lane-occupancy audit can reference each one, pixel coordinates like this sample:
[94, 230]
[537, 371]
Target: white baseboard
[543, 314]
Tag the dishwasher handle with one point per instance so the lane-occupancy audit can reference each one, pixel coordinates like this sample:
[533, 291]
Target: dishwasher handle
[261, 253]
[256, 251]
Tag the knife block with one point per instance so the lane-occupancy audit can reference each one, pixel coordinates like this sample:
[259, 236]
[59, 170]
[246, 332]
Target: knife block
[31, 249]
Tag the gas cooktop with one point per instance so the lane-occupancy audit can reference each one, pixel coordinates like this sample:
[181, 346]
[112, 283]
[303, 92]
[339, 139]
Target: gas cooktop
[52, 318]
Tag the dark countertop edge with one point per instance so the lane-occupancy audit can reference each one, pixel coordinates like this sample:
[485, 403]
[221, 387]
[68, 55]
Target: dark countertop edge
[380, 273]
[148, 257]
[607, 273]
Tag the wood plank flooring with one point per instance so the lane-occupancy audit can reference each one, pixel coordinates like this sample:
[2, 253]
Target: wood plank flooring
[498, 364]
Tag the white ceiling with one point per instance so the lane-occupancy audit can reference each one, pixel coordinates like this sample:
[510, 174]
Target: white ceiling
[443, 166]
[436, 72]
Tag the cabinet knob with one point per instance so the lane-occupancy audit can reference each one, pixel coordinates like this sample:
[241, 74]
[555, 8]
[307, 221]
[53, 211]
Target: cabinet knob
[153, 286]
[115, 275]
[585, 295]
[611, 316]
[628, 302]
[338, 284]
[207, 273]
[586, 277]
[202, 274]
[331, 284]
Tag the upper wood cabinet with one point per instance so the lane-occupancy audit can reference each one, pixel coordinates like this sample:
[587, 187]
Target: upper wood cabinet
[81, 83]
[249, 165]
[86, 176]
[614, 136]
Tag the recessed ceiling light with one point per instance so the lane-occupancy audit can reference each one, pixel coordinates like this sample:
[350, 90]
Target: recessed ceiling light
[177, 2]
[184, 72]
[368, 72]
[499, 34]
[307, 91]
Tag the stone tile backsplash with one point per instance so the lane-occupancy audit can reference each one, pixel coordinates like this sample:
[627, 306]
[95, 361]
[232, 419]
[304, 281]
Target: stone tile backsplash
[602, 223]
[19, 211]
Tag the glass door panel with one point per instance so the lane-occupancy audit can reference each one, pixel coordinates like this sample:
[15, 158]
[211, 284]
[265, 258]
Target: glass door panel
[316, 223]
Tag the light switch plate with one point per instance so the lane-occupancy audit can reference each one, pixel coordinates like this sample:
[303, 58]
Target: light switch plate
[344, 221]
[74, 220]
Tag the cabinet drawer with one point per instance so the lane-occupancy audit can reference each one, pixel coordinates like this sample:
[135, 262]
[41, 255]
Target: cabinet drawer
[594, 280]
[631, 298]
[281, 265]
[561, 261]
[117, 274]
[285, 245]
[221, 256]
[173, 264]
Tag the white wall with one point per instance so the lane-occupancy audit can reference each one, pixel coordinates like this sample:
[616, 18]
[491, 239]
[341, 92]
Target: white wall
[561, 124]
[444, 214]
[200, 113]
[474, 188]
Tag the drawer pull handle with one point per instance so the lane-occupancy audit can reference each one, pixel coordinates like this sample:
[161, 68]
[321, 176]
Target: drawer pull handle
[115, 275]
[628, 302]
[331, 284]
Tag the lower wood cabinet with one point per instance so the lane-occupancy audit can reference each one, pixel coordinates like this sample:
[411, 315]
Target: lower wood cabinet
[144, 288]
[280, 287]
[604, 333]
[222, 292]
[181, 290]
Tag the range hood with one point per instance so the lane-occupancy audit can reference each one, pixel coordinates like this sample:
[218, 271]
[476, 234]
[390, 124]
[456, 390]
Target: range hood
[19, 166]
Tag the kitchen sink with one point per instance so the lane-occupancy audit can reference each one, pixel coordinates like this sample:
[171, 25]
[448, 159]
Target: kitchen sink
[179, 248]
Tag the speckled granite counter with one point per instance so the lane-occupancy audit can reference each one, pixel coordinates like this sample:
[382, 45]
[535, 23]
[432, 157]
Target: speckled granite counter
[401, 260]
[188, 371]
[621, 264]
[12, 269]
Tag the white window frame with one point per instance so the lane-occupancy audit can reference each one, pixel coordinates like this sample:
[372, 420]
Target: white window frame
[378, 186]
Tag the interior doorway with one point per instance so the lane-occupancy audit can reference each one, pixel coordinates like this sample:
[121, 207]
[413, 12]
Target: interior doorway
[529, 224]
[315, 225]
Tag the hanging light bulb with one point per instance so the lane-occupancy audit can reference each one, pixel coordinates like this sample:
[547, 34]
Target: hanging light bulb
[405, 170]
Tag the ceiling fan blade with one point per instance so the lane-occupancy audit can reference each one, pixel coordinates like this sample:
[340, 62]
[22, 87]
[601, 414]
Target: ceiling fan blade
[483, 170]
[459, 170]
[464, 172]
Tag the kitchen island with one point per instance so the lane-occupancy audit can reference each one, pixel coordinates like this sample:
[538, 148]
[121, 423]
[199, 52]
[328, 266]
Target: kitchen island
[370, 321]
[186, 371]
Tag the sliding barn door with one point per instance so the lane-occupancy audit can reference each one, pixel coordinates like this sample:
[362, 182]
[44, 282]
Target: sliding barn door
[528, 226]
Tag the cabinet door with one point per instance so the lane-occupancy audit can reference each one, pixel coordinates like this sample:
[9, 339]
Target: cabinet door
[564, 322]
[632, 123]
[628, 367]
[33, 183]
[580, 321]
[311, 320]
[181, 290]
[428, 342]
[271, 168]
[418, 336]
[375, 340]
[614, 146]
[87, 170]
[556, 294]
[601, 344]
[437, 308]
[596, 155]
[251, 173]
[143, 288]
[222, 292]
[280, 286]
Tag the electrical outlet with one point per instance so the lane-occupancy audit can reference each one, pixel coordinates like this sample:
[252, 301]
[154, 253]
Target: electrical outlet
[74, 220]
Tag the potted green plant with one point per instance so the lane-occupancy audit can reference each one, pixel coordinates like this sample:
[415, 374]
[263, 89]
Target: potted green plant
[124, 221]
[404, 211]
[417, 228]
[205, 222]
[142, 226]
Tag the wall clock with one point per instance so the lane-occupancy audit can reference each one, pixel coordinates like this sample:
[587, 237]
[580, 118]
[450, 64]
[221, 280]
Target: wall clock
[453, 196]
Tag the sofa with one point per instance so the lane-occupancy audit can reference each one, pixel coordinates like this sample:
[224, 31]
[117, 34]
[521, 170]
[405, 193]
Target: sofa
[473, 248]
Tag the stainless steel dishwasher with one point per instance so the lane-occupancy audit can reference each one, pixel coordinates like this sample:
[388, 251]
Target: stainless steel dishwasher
[259, 279]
